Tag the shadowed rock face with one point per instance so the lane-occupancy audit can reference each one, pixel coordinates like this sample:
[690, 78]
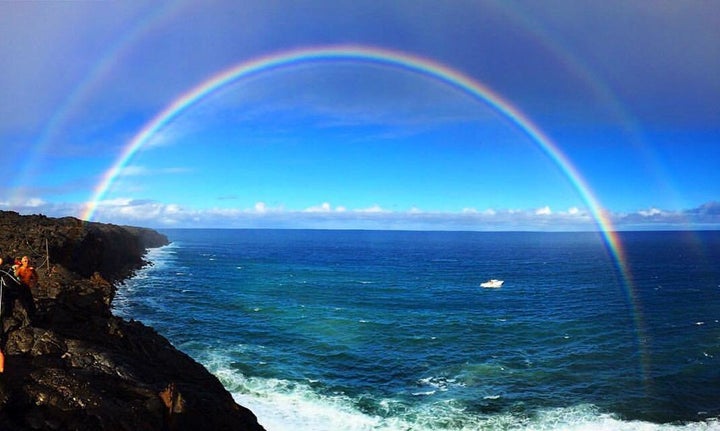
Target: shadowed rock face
[70, 364]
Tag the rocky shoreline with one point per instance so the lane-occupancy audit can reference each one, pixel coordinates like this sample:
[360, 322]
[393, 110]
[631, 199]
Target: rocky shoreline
[70, 364]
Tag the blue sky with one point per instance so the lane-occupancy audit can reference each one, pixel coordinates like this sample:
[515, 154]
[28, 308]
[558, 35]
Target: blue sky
[627, 91]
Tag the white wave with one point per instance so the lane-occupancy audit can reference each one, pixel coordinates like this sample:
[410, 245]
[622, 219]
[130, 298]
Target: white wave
[160, 257]
[284, 405]
[440, 383]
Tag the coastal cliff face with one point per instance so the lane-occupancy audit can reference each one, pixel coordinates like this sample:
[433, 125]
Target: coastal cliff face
[70, 364]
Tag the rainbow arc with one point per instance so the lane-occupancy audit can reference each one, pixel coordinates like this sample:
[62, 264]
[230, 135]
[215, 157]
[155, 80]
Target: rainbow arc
[396, 59]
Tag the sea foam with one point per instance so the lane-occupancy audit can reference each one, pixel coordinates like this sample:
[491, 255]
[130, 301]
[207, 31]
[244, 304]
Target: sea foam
[283, 405]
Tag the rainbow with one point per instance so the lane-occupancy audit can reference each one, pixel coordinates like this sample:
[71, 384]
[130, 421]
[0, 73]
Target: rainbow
[398, 59]
[101, 69]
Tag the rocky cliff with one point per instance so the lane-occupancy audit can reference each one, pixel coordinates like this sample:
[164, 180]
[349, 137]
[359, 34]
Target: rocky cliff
[69, 363]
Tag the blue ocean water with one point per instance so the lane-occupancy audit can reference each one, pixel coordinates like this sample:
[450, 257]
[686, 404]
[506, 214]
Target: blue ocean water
[390, 330]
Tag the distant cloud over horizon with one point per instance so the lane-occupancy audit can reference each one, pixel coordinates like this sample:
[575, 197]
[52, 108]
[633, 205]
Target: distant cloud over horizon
[326, 216]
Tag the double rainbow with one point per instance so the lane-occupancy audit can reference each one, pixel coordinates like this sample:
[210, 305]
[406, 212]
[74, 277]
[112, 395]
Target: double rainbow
[392, 58]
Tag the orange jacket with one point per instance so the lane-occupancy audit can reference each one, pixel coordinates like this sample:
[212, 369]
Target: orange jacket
[27, 275]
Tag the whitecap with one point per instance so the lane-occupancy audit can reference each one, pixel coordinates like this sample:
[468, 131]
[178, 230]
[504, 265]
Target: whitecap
[292, 405]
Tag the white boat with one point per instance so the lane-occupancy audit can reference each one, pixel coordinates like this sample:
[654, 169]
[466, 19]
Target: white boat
[494, 283]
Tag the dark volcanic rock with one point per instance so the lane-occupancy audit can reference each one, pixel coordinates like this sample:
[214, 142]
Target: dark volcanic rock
[70, 364]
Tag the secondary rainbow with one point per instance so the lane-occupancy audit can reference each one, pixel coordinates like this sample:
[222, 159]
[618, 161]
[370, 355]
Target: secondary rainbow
[393, 58]
[80, 93]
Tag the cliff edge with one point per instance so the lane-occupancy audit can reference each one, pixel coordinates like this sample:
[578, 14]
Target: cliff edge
[69, 363]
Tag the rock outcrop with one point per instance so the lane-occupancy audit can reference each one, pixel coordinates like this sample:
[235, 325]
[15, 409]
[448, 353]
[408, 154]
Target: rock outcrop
[69, 363]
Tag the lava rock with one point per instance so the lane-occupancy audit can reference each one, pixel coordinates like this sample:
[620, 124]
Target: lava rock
[69, 363]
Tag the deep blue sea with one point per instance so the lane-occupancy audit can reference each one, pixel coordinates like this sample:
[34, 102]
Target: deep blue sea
[388, 330]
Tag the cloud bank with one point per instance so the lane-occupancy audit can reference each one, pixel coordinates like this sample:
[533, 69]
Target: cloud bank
[326, 216]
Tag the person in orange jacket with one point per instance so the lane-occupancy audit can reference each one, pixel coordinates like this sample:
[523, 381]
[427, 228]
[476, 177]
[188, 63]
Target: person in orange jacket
[26, 273]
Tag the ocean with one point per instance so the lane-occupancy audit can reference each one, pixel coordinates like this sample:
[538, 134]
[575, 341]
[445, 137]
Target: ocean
[390, 330]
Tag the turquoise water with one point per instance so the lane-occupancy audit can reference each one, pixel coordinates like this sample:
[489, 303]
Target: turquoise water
[378, 330]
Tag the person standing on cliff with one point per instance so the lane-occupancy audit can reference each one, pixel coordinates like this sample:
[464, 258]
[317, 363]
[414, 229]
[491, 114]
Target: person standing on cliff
[26, 273]
[6, 262]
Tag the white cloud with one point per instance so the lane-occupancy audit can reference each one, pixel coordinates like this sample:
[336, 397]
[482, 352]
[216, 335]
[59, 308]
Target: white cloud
[651, 212]
[137, 171]
[156, 214]
[322, 208]
[373, 209]
[489, 212]
[117, 202]
[543, 211]
[34, 202]
[133, 171]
